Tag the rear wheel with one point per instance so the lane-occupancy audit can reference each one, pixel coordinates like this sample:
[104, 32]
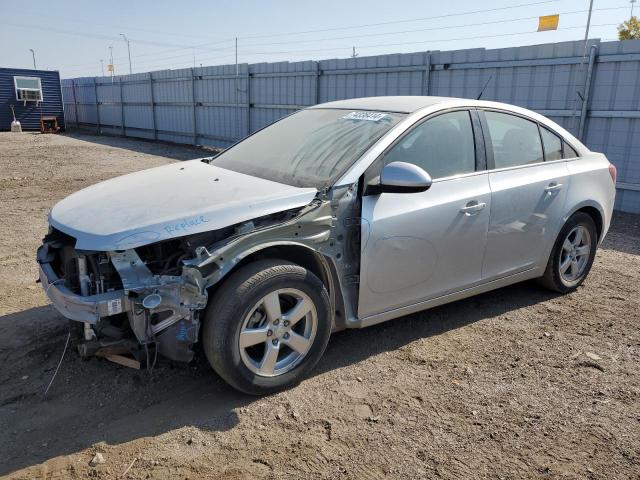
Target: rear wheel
[572, 255]
[267, 326]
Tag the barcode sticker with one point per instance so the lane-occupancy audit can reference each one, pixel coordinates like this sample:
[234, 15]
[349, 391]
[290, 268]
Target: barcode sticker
[114, 306]
[370, 116]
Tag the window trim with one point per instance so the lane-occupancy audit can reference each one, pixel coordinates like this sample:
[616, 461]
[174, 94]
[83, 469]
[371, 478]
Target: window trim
[23, 77]
[489, 148]
[375, 168]
[544, 150]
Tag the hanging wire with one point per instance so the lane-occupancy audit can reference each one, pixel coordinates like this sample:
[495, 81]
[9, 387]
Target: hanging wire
[66, 345]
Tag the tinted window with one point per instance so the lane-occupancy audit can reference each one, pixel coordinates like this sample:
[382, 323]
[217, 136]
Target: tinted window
[515, 141]
[569, 152]
[552, 145]
[442, 146]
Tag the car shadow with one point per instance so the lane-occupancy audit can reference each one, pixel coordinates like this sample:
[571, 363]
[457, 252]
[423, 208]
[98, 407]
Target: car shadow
[94, 401]
[624, 233]
[141, 145]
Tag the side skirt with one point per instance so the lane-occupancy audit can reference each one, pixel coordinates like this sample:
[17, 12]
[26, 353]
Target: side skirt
[448, 298]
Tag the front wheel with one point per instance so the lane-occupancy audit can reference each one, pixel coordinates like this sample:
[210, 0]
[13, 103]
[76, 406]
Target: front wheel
[572, 254]
[267, 326]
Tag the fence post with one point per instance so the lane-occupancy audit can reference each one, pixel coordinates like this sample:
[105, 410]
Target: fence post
[75, 102]
[153, 107]
[427, 73]
[248, 101]
[587, 92]
[193, 105]
[124, 130]
[318, 73]
[95, 93]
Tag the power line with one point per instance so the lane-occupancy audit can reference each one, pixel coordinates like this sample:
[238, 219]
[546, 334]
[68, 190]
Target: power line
[155, 60]
[348, 49]
[102, 36]
[117, 27]
[201, 46]
[363, 35]
[424, 41]
[535, 17]
[472, 12]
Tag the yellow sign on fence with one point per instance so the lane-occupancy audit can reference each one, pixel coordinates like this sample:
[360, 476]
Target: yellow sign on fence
[548, 22]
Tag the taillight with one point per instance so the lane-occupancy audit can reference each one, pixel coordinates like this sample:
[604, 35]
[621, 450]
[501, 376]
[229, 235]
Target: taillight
[613, 171]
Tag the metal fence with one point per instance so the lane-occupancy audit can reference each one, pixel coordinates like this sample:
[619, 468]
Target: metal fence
[594, 93]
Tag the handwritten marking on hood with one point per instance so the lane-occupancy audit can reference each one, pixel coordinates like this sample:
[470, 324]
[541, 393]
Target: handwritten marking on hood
[186, 225]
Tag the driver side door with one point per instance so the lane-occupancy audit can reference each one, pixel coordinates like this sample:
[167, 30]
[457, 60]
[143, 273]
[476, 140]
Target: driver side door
[419, 246]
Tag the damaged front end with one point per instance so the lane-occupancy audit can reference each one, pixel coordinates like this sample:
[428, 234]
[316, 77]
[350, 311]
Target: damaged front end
[153, 296]
[130, 298]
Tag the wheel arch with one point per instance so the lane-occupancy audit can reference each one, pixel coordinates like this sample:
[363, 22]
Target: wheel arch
[319, 264]
[591, 208]
[594, 210]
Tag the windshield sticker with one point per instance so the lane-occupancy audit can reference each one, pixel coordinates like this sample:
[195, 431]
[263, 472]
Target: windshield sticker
[370, 116]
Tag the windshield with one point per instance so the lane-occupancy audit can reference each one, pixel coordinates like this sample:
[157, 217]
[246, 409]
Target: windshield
[311, 148]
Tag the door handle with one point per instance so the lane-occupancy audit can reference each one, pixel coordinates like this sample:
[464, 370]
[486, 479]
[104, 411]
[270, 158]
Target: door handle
[472, 208]
[553, 187]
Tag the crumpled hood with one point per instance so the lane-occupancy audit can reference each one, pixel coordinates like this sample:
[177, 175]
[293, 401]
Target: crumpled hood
[169, 201]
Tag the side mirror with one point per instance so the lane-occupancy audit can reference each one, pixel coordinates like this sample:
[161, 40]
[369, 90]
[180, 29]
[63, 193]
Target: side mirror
[402, 177]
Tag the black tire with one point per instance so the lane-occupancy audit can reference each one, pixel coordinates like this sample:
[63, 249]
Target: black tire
[233, 302]
[552, 278]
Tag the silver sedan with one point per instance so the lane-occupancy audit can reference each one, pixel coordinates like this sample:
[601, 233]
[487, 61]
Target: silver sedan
[342, 215]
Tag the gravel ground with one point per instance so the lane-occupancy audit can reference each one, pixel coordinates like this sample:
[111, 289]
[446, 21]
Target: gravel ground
[516, 383]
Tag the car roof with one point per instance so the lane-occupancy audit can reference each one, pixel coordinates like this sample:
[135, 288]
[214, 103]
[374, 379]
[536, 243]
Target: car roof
[401, 104]
[411, 104]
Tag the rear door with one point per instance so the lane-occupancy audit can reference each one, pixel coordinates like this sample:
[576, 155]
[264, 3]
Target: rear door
[527, 192]
[418, 246]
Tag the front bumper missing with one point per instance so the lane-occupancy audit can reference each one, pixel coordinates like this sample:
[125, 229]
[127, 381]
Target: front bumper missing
[76, 307]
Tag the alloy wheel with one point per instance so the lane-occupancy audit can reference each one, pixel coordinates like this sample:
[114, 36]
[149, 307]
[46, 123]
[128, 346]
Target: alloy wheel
[574, 255]
[278, 332]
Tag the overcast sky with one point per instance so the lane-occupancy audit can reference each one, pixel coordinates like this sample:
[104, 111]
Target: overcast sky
[73, 35]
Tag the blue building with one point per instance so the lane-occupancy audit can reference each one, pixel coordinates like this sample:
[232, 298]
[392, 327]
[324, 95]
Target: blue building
[33, 94]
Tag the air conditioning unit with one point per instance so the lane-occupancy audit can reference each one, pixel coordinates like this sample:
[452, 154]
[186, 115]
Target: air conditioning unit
[26, 95]
[28, 89]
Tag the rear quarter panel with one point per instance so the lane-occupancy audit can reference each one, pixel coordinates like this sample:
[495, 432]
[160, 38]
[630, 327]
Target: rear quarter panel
[591, 185]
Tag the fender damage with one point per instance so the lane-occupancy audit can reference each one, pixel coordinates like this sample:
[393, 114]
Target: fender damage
[154, 293]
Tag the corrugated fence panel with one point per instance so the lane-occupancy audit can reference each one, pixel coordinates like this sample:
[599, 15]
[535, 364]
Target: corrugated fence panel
[279, 89]
[398, 74]
[217, 105]
[221, 99]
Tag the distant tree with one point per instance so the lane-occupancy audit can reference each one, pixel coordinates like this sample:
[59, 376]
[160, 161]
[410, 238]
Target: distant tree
[629, 30]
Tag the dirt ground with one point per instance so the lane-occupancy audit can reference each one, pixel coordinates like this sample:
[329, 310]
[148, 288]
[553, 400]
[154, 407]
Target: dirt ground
[516, 383]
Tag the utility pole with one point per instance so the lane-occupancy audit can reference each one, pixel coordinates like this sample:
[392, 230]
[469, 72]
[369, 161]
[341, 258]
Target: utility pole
[33, 54]
[102, 66]
[236, 92]
[111, 62]
[632, 2]
[586, 31]
[354, 54]
[128, 50]
[580, 94]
